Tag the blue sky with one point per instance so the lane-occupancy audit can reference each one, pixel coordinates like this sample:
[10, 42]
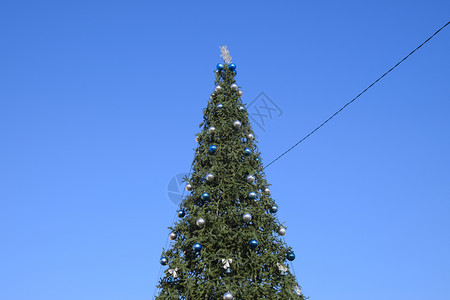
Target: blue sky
[100, 102]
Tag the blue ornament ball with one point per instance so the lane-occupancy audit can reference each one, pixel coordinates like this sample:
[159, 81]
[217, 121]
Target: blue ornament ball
[197, 247]
[253, 244]
[291, 256]
[274, 209]
[212, 149]
[163, 261]
[252, 195]
[232, 67]
[247, 151]
[205, 196]
[220, 66]
[181, 214]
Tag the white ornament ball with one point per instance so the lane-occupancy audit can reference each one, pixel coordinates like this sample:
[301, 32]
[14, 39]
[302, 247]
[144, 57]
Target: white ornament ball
[247, 217]
[211, 129]
[227, 296]
[188, 187]
[234, 87]
[282, 231]
[267, 190]
[240, 93]
[209, 177]
[250, 137]
[218, 88]
[200, 222]
[250, 178]
[237, 124]
[172, 236]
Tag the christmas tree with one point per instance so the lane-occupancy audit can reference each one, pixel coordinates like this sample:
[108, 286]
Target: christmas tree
[227, 242]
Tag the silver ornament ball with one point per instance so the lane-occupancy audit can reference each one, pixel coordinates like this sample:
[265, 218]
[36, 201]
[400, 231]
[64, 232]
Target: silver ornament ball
[227, 296]
[250, 137]
[282, 231]
[209, 177]
[172, 236]
[218, 88]
[240, 93]
[241, 108]
[211, 129]
[196, 139]
[250, 178]
[188, 187]
[234, 87]
[237, 124]
[247, 217]
[267, 190]
[200, 222]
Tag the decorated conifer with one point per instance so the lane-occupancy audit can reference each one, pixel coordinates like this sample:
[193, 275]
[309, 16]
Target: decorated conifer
[227, 241]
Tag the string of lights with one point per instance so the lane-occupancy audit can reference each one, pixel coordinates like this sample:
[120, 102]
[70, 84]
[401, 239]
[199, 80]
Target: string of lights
[357, 96]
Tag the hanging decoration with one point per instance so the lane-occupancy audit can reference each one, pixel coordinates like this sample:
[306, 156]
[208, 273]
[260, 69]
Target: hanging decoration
[163, 261]
[227, 264]
[173, 272]
[172, 236]
[212, 149]
[227, 296]
[291, 256]
[247, 217]
[283, 269]
[209, 177]
[197, 247]
[250, 179]
[200, 222]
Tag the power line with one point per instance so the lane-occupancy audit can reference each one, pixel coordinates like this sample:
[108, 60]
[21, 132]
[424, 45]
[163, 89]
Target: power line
[351, 101]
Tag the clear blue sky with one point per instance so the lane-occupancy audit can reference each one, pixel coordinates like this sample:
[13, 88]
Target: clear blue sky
[100, 102]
